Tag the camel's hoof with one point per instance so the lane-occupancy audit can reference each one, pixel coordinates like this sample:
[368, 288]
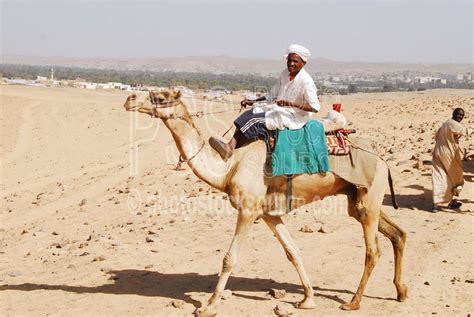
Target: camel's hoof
[307, 303]
[402, 293]
[350, 306]
[204, 312]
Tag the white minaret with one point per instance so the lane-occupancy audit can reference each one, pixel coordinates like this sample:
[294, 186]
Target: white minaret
[52, 74]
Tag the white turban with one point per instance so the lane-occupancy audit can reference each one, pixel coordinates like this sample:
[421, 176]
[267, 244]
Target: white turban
[302, 51]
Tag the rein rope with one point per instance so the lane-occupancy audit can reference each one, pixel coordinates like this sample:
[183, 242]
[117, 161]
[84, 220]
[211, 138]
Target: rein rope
[182, 161]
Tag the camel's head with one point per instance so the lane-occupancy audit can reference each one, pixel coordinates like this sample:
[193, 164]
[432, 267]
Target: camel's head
[136, 101]
[157, 103]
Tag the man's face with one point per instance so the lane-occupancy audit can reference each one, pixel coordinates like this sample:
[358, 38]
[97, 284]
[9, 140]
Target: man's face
[294, 63]
[458, 115]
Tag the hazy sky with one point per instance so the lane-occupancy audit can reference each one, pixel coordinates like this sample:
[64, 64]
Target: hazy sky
[373, 31]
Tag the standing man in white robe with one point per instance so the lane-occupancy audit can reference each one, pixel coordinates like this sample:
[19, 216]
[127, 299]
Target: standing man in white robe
[447, 177]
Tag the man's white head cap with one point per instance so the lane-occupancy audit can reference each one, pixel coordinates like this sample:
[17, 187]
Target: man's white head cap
[302, 51]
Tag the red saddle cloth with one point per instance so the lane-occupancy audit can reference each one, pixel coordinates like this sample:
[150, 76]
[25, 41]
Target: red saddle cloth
[338, 143]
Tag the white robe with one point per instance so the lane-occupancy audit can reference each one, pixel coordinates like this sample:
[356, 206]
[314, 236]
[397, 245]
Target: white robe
[298, 91]
[447, 177]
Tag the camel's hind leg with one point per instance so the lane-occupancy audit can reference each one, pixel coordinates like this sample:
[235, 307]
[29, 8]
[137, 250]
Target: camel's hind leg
[244, 221]
[369, 221]
[292, 253]
[397, 236]
[365, 206]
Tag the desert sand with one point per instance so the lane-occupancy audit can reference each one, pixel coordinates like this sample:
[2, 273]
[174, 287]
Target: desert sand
[95, 220]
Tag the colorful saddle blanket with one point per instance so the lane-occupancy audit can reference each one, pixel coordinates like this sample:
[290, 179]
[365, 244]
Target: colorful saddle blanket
[338, 143]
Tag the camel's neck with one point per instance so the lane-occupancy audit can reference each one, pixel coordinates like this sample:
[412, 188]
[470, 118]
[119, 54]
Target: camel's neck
[204, 162]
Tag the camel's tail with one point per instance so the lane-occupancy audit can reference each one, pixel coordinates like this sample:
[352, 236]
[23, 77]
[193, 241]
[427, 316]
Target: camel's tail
[392, 192]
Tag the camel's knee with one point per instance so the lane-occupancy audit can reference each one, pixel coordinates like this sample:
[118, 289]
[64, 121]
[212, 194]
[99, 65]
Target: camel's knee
[371, 258]
[398, 238]
[399, 241]
[227, 263]
[372, 253]
[361, 212]
[402, 238]
[292, 254]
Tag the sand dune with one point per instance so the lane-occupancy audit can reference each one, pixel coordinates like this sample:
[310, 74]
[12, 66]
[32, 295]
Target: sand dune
[92, 225]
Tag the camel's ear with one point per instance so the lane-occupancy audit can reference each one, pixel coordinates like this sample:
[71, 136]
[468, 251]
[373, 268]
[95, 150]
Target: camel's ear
[177, 95]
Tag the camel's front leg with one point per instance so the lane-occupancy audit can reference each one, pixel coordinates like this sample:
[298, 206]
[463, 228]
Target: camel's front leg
[244, 221]
[278, 228]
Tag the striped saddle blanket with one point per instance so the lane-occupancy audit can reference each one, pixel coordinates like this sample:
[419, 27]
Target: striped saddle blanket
[338, 143]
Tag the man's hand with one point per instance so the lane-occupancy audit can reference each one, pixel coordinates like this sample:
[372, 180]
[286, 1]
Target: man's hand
[305, 106]
[284, 103]
[244, 103]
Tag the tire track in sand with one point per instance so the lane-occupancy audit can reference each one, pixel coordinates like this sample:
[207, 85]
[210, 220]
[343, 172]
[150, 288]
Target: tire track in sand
[25, 133]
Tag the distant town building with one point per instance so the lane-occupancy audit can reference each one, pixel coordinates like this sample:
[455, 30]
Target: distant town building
[430, 80]
[86, 85]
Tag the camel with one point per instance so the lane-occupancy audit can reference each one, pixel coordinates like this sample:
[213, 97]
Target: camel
[256, 195]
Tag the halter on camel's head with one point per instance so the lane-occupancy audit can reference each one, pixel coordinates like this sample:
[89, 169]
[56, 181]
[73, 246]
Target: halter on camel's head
[161, 104]
[165, 105]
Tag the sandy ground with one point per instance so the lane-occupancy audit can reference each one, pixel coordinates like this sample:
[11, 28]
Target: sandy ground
[90, 226]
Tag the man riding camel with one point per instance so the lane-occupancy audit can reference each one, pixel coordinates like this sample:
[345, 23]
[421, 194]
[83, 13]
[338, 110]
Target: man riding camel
[294, 97]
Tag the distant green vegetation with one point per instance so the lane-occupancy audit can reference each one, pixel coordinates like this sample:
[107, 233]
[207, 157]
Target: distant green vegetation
[206, 81]
[163, 79]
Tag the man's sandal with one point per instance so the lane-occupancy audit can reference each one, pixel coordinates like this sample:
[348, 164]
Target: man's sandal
[220, 148]
[454, 204]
